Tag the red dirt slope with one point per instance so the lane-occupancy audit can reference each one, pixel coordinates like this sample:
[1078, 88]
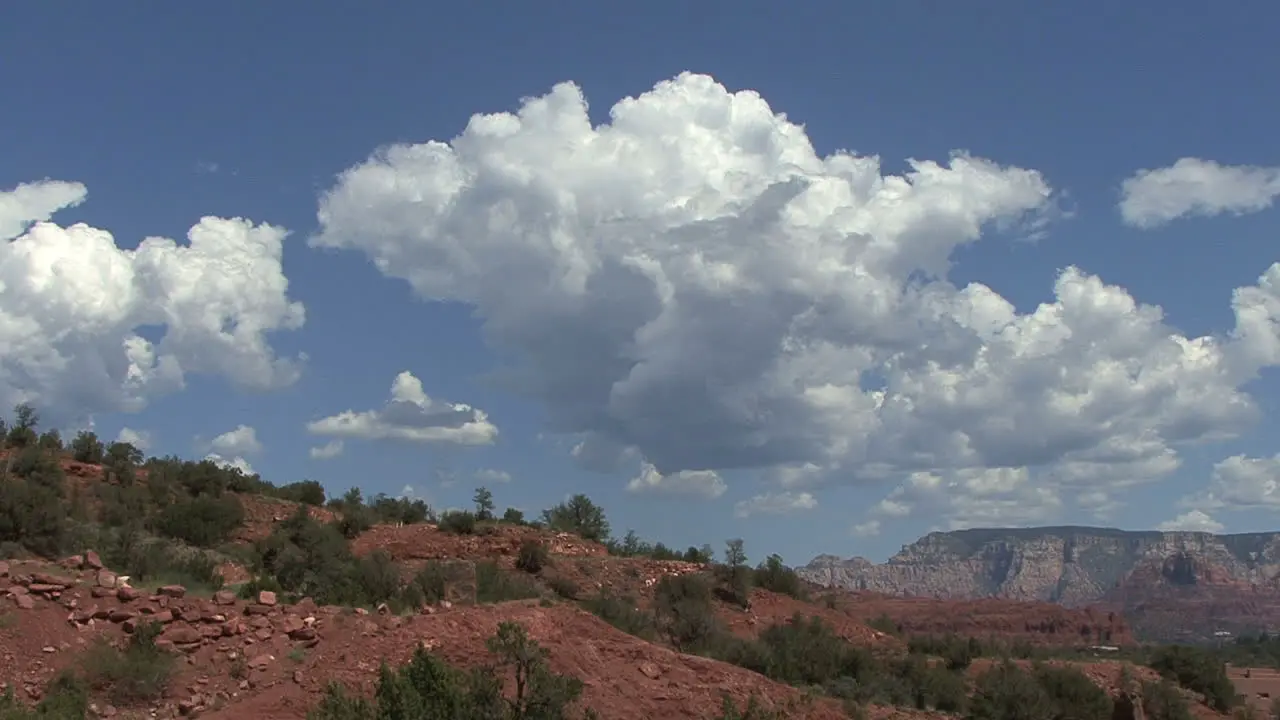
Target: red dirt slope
[1039, 623]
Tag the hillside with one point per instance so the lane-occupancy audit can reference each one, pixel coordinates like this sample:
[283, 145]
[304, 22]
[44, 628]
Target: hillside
[135, 587]
[1167, 585]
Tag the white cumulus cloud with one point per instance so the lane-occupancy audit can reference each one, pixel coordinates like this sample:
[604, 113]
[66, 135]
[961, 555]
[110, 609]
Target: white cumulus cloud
[870, 528]
[243, 440]
[72, 304]
[699, 483]
[1240, 482]
[1192, 186]
[231, 463]
[779, 503]
[411, 415]
[490, 475]
[140, 439]
[1193, 521]
[691, 284]
[327, 451]
[992, 497]
[232, 448]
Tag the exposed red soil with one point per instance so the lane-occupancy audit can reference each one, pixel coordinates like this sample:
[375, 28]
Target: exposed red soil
[770, 608]
[1039, 623]
[262, 514]
[292, 652]
[428, 542]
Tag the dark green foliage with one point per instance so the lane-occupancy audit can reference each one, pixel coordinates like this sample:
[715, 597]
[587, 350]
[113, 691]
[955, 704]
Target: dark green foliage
[754, 710]
[564, 587]
[1162, 701]
[87, 448]
[734, 576]
[1198, 670]
[309, 492]
[428, 688]
[427, 587]
[484, 504]
[251, 589]
[957, 652]
[356, 517]
[632, 546]
[513, 516]
[66, 698]
[580, 516]
[33, 515]
[684, 611]
[204, 520]
[493, 585]
[1007, 692]
[400, 510]
[772, 575]
[458, 522]
[623, 613]
[138, 673]
[1074, 694]
[532, 556]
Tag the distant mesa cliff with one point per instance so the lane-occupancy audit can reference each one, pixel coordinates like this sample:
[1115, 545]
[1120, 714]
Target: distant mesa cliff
[1168, 585]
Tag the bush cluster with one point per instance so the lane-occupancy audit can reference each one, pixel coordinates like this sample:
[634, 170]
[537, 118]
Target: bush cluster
[429, 687]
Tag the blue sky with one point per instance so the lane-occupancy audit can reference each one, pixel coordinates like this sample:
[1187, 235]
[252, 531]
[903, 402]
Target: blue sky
[739, 324]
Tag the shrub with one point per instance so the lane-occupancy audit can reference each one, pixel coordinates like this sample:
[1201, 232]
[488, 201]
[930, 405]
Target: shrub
[564, 587]
[1162, 701]
[532, 557]
[494, 586]
[138, 673]
[458, 522]
[734, 576]
[251, 589]
[87, 448]
[427, 587]
[430, 688]
[1072, 691]
[1007, 691]
[308, 492]
[580, 516]
[204, 521]
[66, 698]
[772, 575]
[1197, 670]
[684, 611]
[623, 613]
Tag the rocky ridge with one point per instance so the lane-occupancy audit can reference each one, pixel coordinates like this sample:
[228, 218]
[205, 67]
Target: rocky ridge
[1167, 584]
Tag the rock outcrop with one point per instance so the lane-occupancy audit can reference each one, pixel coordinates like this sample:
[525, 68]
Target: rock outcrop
[1167, 584]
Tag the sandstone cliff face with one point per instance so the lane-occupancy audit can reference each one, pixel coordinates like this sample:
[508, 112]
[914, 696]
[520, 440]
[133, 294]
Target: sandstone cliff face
[1167, 585]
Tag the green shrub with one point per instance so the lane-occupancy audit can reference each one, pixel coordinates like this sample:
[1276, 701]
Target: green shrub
[431, 689]
[532, 556]
[139, 673]
[772, 575]
[1198, 670]
[66, 698]
[1162, 701]
[204, 521]
[684, 611]
[623, 613]
[493, 585]
[428, 586]
[564, 587]
[458, 522]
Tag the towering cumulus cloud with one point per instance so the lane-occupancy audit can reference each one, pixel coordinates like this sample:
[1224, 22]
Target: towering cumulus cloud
[72, 303]
[691, 283]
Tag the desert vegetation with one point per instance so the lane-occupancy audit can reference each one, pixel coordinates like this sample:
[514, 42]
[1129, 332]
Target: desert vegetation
[168, 522]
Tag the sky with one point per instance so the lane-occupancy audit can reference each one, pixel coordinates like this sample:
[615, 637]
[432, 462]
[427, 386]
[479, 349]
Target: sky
[825, 277]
